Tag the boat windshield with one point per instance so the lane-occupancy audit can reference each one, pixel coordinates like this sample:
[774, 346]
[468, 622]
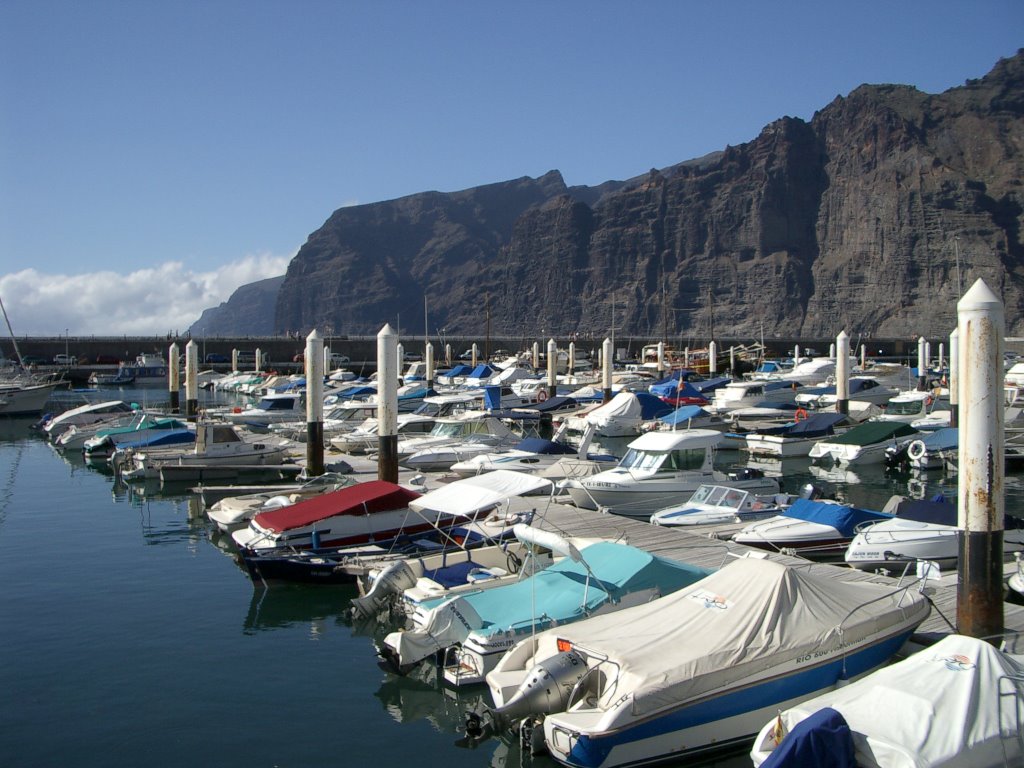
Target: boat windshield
[276, 404]
[663, 461]
[903, 407]
[733, 498]
[447, 429]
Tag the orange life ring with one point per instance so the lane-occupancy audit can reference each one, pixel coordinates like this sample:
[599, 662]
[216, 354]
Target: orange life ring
[801, 414]
[542, 395]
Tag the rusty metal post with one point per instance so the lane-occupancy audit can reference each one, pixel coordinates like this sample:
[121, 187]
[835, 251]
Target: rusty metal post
[981, 502]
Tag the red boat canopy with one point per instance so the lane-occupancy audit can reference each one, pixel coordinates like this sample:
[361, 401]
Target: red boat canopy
[359, 499]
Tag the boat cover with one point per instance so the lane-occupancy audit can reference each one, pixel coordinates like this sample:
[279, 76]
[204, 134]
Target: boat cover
[751, 616]
[815, 425]
[545, 447]
[710, 385]
[624, 405]
[683, 414]
[359, 499]
[482, 371]
[871, 432]
[476, 493]
[458, 370]
[652, 407]
[674, 388]
[945, 439]
[843, 518]
[950, 705]
[557, 403]
[822, 740]
[558, 594]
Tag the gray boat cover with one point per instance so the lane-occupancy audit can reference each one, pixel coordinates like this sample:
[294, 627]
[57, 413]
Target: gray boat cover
[957, 703]
[749, 618]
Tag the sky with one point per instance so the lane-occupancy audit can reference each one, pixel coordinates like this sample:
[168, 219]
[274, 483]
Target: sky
[155, 156]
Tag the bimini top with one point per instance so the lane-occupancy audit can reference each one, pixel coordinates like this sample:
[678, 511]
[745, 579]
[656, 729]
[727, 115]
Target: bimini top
[360, 499]
[671, 441]
[750, 615]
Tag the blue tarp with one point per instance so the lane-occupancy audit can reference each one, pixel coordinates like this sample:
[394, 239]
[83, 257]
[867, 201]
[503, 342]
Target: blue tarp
[841, 517]
[815, 425]
[458, 370]
[674, 389]
[822, 740]
[943, 439]
[652, 407]
[683, 414]
[540, 445]
[482, 371]
[710, 385]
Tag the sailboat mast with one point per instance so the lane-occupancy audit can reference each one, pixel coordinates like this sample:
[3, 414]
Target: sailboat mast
[10, 331]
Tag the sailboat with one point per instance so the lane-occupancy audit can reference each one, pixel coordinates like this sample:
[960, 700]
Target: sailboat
[22, 393]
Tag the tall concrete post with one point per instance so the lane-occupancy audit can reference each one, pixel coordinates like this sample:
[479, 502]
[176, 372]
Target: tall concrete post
[327, 360]
[448, 355]
[981, 501]
[400, 356]
[661, 359]
[174, 377]
[428, 352]
[606, 370]
[832, 350]
[552, 362]
[234, 359]
[314, 360]
[258, 360]
[922, 365]
[942, 356]
[863, 357]
[954, 378]
[536, 356]
[842, 347]
[570, 368]
[712, 359]
[686, 358]
[191, 383]
[387, 404]
[796, 355]
[732, 360]
[475, 354]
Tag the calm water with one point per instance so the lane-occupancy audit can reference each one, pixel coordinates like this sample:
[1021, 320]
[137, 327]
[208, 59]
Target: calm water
[130, 637]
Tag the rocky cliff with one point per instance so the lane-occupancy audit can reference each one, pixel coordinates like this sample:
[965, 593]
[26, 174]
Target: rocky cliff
[869, 217]
[249, 311]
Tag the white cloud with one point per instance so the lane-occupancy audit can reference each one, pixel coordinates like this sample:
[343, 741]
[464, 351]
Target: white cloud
[156, 300]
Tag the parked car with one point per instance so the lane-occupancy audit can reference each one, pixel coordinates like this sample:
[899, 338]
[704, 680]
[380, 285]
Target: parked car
[65, 360]
[214, 357]
[336, 359]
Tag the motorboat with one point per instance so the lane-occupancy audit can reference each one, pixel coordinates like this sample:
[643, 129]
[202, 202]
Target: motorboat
[865, 443]
[795, 438]
[216, 444]
[479, 627]
[809, 528]
[745, 394]
[143, 429]
[698, 671]
[864, 389]
[622, 416]
[806, 371]
[338, 419]
[693, 417]
[908, 406]
[475, 553]
[956, 704]
[149, 365]
[659, 469]
[122, 377]
[453, 439]
[271, 408]
[919, 530]
[84, 415]
[234, 512]
[925, 452]
[356, 514]
[723, 504]
[25, 395]
[365, 438]
[532, 455]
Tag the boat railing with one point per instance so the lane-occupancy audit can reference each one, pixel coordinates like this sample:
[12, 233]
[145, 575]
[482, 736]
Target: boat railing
[594, 680]
[1010, 689]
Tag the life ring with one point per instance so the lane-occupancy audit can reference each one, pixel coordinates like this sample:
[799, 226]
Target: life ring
[916, 449]
[801, 414]
[542, 395]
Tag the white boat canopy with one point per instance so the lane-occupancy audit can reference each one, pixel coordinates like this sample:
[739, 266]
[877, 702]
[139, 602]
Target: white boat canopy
[472, 494]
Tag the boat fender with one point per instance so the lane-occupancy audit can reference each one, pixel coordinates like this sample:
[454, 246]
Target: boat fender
[916, 449]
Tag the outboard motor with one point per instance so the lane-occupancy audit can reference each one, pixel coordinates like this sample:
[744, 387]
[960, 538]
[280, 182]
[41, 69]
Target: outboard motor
[546, 689]
[810, 491]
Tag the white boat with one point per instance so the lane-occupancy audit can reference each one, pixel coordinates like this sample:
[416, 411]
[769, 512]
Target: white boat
[956, 704]
[470, 432]
[532, 455]
[233, 512]
[796, 438]
[722, 504]
[925, 452]
[659, 469]
[863, 444]
[815, 529]
[83, 415]
[365, 439]
[748, 394]
[865, 389]
[908, 406]
[806, 372]
[271, 408]
[24, 395]
[919, 530]
[215, 445]
[479, 627]
[622, 416]
[700, 670]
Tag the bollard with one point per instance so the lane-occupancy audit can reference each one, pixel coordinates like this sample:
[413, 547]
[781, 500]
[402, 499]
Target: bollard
[842, 347]
[954, 378]
[552, 362]
[314, 363]
[191, 388]
[387, 404]
[174, 378]
[606, 370]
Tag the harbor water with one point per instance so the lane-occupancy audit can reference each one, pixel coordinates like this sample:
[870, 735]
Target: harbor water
[131, 636]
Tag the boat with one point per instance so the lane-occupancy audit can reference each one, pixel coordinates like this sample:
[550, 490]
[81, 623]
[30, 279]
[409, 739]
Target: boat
[149, 365]
[908, 406]
[453, 439]
[233, 512]
[271, 408]
[796, 438]
[926, 452]
[723, 504]
[698, 671]
[84, 415]
[865, 443]
[659, 469]
[747, 394]
[810, 528]
[24, 395]
[622, 416]
[532, 455]
[476, 629]
[956, 704]
[338, 419]
[446, 521]
[920, 530]
[135, 431]
[365, 438]
[863, 389]
[122, 377]
[215, 445]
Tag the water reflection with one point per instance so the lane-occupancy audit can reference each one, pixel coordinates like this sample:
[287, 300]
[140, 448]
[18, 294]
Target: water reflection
[286, 605]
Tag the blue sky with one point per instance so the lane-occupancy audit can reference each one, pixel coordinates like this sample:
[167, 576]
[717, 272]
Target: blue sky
[161, 154]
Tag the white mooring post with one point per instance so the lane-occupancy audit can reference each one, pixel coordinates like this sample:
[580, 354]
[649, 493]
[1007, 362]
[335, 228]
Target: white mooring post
[536, 356]
[661, 359]
[191, 383]
[429, 354]
[234, 359]
[475, 354]
[258, 361]
[732, 360]
[174, 378]
[863, 357]
[712, 358]
[387, 404]
[571, 365]
[606, 370]
[842, 356]
[922, 365]
[314, 363]
[980, 457]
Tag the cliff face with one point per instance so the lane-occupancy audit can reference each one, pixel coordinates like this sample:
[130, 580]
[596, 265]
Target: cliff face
[857, 219]
[249, 311]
